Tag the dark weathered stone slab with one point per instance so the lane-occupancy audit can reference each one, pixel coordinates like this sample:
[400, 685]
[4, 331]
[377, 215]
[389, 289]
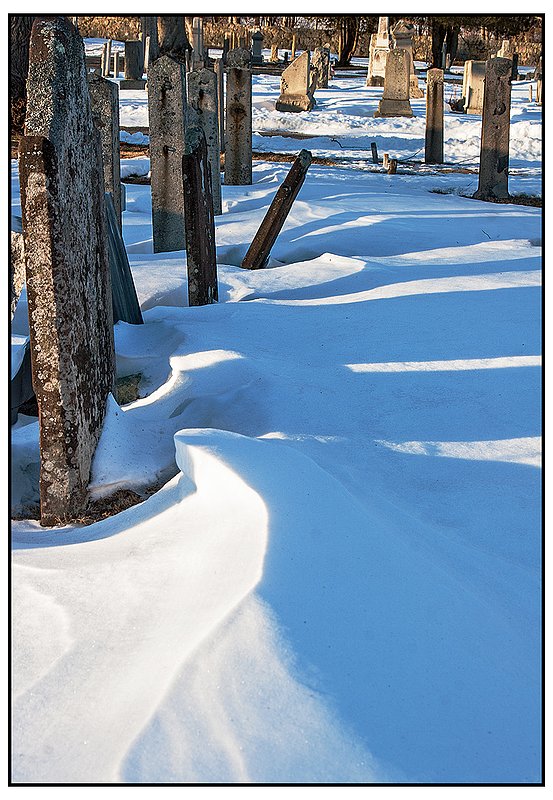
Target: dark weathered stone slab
[266, 236]
[200, 226]
[202, 98]
[296, 86]
[493, 176]
[167, 114]
[104, 98]
[434, 135]
[68, 282]
[238, 133]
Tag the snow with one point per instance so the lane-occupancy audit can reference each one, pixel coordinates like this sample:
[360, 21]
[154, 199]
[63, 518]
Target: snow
[339, 578]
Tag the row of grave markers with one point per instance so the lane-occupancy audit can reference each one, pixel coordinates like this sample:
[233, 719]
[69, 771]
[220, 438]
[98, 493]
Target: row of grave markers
[77, 273]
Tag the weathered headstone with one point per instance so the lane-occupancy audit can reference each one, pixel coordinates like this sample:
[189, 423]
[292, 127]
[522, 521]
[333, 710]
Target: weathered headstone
[202, 97]
[378, 50]
[506, 50]
[104, 99]
[238, 133]
[149, 39]
[274, 53]
[321, 63]
[296, 87]
[167, 114]
[199, 223]
[395, 97]
[198, 42]
[226, 48]
[106, 58]
[402, 36]
[473, 86]
[134, 63]
[116, 64]
[266, 236]
[68, 281]
[257, 45]
[125, 305]
[434, 136]
[220, 73]
[493, 176]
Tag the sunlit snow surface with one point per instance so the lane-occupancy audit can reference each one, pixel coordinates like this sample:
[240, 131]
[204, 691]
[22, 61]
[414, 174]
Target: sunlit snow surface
[341, 581]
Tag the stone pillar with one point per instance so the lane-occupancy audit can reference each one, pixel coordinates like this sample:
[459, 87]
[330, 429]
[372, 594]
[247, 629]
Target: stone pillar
[473, 86]
[104, 99]
[238, 136]
[257, 44]
[266, 236]
[220, 73]
[198, 41]
[68, 281]
[116, 64]
[321, 63]
[379, 47]
[167, 113]
[493, 176]
[106, 58]
[202, 98]
[274, 53]
[395, 98]
[150, 40]
[296, 90]
[402, 35]
[293, 51]
[434, 137]
[200, 227]
[134, 62]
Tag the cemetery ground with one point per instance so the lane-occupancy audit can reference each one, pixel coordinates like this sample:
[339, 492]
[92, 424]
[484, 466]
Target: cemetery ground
[338, 577]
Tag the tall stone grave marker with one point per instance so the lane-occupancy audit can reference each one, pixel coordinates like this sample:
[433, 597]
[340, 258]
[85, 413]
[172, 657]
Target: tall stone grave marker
[200, 226]
[402, 36]
[202, 98]
[220, 73]
[296, 86]
[134, 63]
[238, 134]
[104, 99]
[68, 282]
[257, 44]
[378, 50]
[167, 113]
[321, 63]
[434, 136]
[493, 176]
[198, 42]
[150, 39]
[395, 97]
[473, 86]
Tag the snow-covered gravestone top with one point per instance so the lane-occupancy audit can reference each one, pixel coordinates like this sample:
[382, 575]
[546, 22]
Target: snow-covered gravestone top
[296, 87]
[68, 281]
[395, 97]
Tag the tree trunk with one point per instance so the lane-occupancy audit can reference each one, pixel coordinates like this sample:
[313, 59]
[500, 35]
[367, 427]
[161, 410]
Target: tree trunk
[20, 34]
[348, 33]
[452, 42]
[438, 31]
[172, 37]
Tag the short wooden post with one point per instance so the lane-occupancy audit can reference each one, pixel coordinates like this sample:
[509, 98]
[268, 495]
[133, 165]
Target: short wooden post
[385, 160]
[392, 166]
[199, 220]
[274, 219]
[434, 134]
[374, 152]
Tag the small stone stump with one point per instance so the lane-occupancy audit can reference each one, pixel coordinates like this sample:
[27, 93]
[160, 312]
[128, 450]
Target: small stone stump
[434, 135]
[199, 222]
[68, 280]
[395, 98]
[266, 236]
[238, 134]
[167, 112]
[493, 176]
[296, 87]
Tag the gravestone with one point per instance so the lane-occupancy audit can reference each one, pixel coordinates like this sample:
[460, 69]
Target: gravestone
[395, 97]
[378, 50]
[473, 86]
[257, 44]
[125, 305]
[493, 175]
[296, 86]
[402, 37]
[116, 64]
[106, 58]
[202, 98]
[150, 39]
[198, 42]
[260, 248]
[134, 63]
[220, 73]
[226, 48]
[167, 114]
[199, 222]
[506, 50]
[321, 63]
[17, 262]
[274, 53]
[238, 133]
[434, 135]
[68, 281]
[104, 99]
